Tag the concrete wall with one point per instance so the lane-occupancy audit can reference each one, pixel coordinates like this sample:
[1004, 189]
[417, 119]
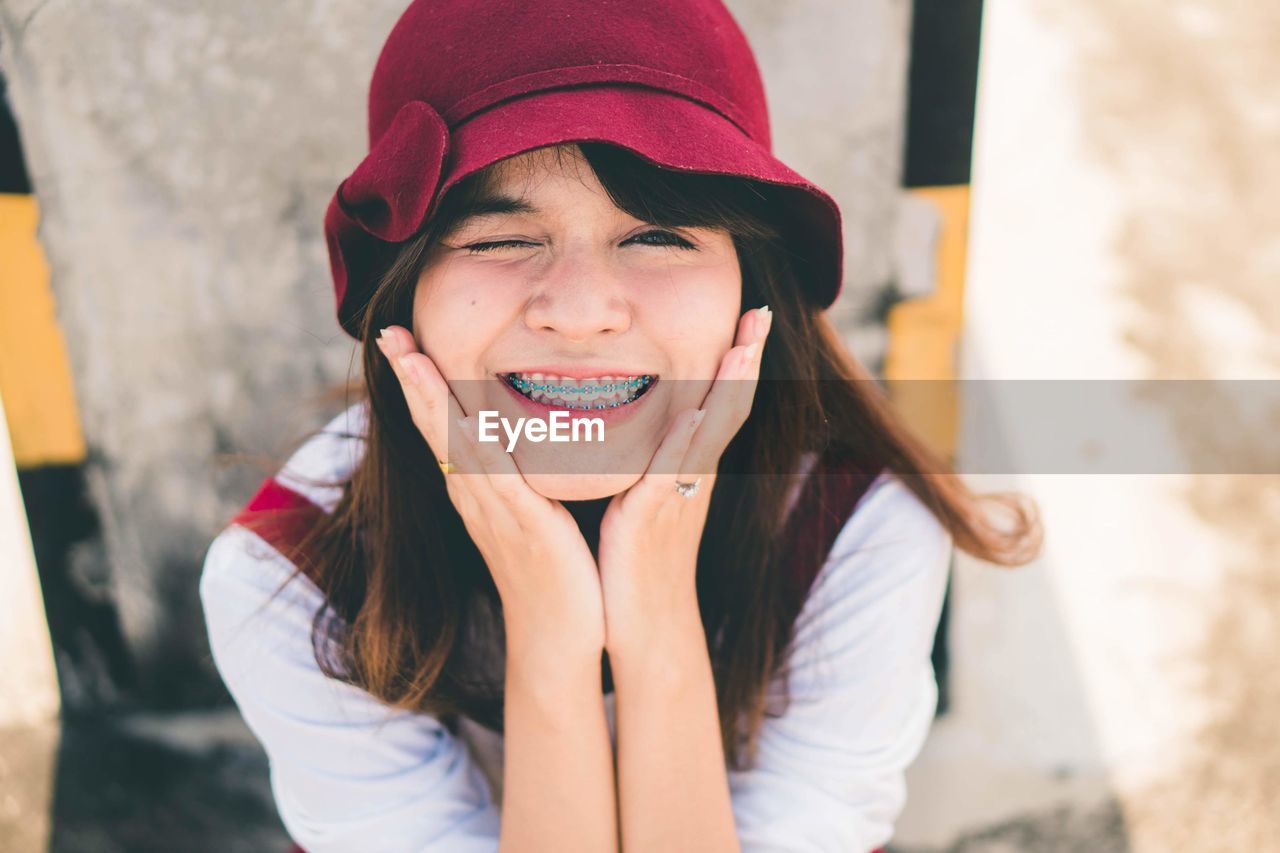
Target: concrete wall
[183, 158]
[182, 161]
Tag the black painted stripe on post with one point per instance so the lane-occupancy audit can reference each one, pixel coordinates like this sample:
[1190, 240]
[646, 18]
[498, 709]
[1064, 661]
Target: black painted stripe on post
[942, 92]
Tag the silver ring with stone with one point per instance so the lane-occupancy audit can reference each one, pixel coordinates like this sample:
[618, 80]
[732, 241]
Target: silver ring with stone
[688, 490]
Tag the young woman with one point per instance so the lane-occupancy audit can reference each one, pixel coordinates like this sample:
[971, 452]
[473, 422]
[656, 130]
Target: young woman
[709, 631]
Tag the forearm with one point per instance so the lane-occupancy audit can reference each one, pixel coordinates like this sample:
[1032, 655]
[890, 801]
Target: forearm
[558, 782]
[672, 787]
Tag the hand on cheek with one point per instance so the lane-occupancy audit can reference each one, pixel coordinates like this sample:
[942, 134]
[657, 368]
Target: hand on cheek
[541, 565]
[650, 534]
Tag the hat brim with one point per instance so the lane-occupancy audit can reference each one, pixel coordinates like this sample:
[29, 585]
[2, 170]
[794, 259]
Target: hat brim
[667, 130]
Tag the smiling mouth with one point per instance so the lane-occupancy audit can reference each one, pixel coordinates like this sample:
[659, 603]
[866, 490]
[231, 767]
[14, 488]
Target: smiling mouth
[601, 392]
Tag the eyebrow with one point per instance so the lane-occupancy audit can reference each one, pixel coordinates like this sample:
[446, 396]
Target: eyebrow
[497, 204]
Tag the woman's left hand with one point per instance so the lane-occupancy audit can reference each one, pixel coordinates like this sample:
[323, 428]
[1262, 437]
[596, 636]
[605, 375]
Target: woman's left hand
[649, 535]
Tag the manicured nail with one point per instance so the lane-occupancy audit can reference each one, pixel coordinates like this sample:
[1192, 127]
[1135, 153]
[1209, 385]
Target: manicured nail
[697, 418]
[410, 369]
[464, 424]
[384, 336]
[750, 352]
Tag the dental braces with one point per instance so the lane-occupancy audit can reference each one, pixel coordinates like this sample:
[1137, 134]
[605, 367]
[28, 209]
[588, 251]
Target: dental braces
[530, 385]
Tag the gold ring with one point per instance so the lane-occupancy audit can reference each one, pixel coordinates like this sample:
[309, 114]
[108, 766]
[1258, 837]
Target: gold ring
[446, 467]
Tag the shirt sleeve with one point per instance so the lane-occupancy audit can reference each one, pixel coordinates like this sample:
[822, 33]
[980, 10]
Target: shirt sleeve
[830, 772]
[347, 771]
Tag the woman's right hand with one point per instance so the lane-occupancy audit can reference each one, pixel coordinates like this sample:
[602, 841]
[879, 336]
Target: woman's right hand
[541, 564]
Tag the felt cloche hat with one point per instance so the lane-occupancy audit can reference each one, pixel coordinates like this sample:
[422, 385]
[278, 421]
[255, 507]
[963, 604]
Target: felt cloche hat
[462, 84]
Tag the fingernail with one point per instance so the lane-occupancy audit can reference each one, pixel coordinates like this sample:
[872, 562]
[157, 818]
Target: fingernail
[750, 352]
[697, 418]
[766, 320]
[464, 424]
[410, 369]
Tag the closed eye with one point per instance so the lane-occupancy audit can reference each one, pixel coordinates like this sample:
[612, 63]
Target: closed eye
[667, 238]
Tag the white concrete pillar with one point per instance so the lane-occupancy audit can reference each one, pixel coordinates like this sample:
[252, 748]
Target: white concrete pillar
[28, 679]
[1124, 226]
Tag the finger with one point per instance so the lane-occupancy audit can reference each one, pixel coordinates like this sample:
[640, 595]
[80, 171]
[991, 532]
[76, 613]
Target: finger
[429, 400]
[432, 405]
[728, 403]
[503, 481]
[659, 480]
[482, 469]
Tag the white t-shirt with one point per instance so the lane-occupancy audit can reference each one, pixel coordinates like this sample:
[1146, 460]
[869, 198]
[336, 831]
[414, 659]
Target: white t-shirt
[350, 774]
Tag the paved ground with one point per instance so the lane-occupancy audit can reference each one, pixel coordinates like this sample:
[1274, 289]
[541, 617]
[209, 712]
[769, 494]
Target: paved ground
[198, 782]
[1062, 830]
[138, 784]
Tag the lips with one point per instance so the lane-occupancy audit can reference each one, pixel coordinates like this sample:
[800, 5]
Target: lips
[568, 370]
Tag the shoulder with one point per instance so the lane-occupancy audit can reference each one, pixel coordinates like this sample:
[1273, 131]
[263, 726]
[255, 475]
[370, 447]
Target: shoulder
[255, 604]
[248, 588]
[890, 521]
[858, 694]
[240, 565]
[345, 767]
[886, 570]
[328, 457]
[313, 475]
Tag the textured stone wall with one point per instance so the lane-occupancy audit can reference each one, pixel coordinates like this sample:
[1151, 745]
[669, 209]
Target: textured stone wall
[182, 155]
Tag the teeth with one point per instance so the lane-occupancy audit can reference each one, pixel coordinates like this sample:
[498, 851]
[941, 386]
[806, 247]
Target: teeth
[598, 392]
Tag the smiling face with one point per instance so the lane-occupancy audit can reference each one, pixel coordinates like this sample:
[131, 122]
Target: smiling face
[553, 286]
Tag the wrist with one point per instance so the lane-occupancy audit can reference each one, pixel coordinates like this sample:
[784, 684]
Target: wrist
[539, 633]
[548, 654]
[638, 613]
[660, 644]
[552, 680]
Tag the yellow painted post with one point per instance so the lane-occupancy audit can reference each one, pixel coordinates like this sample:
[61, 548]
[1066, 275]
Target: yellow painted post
[35, 377]
[924, 333]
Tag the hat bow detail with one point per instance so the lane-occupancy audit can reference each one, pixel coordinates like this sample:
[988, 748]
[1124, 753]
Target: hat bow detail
[391, 191]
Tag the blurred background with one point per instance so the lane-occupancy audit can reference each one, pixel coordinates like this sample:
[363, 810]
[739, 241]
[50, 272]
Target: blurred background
[1033, 191]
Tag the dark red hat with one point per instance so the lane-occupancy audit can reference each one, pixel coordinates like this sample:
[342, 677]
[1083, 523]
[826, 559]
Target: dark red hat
[462, 84]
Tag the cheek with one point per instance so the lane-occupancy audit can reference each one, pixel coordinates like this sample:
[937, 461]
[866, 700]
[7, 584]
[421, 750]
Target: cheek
[695, 316]
[455, 320]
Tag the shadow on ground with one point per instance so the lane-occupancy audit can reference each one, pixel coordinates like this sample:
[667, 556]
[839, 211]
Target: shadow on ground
[143, 784]
[1066, 829]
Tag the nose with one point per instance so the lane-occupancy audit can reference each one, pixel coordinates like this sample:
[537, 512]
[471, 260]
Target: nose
[579, 296]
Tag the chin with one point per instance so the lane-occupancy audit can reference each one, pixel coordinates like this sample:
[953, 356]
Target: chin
[583, 471]
[580, 487]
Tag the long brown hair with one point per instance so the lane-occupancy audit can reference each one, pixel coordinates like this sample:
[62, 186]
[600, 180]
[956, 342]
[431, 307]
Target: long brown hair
[412, 610]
